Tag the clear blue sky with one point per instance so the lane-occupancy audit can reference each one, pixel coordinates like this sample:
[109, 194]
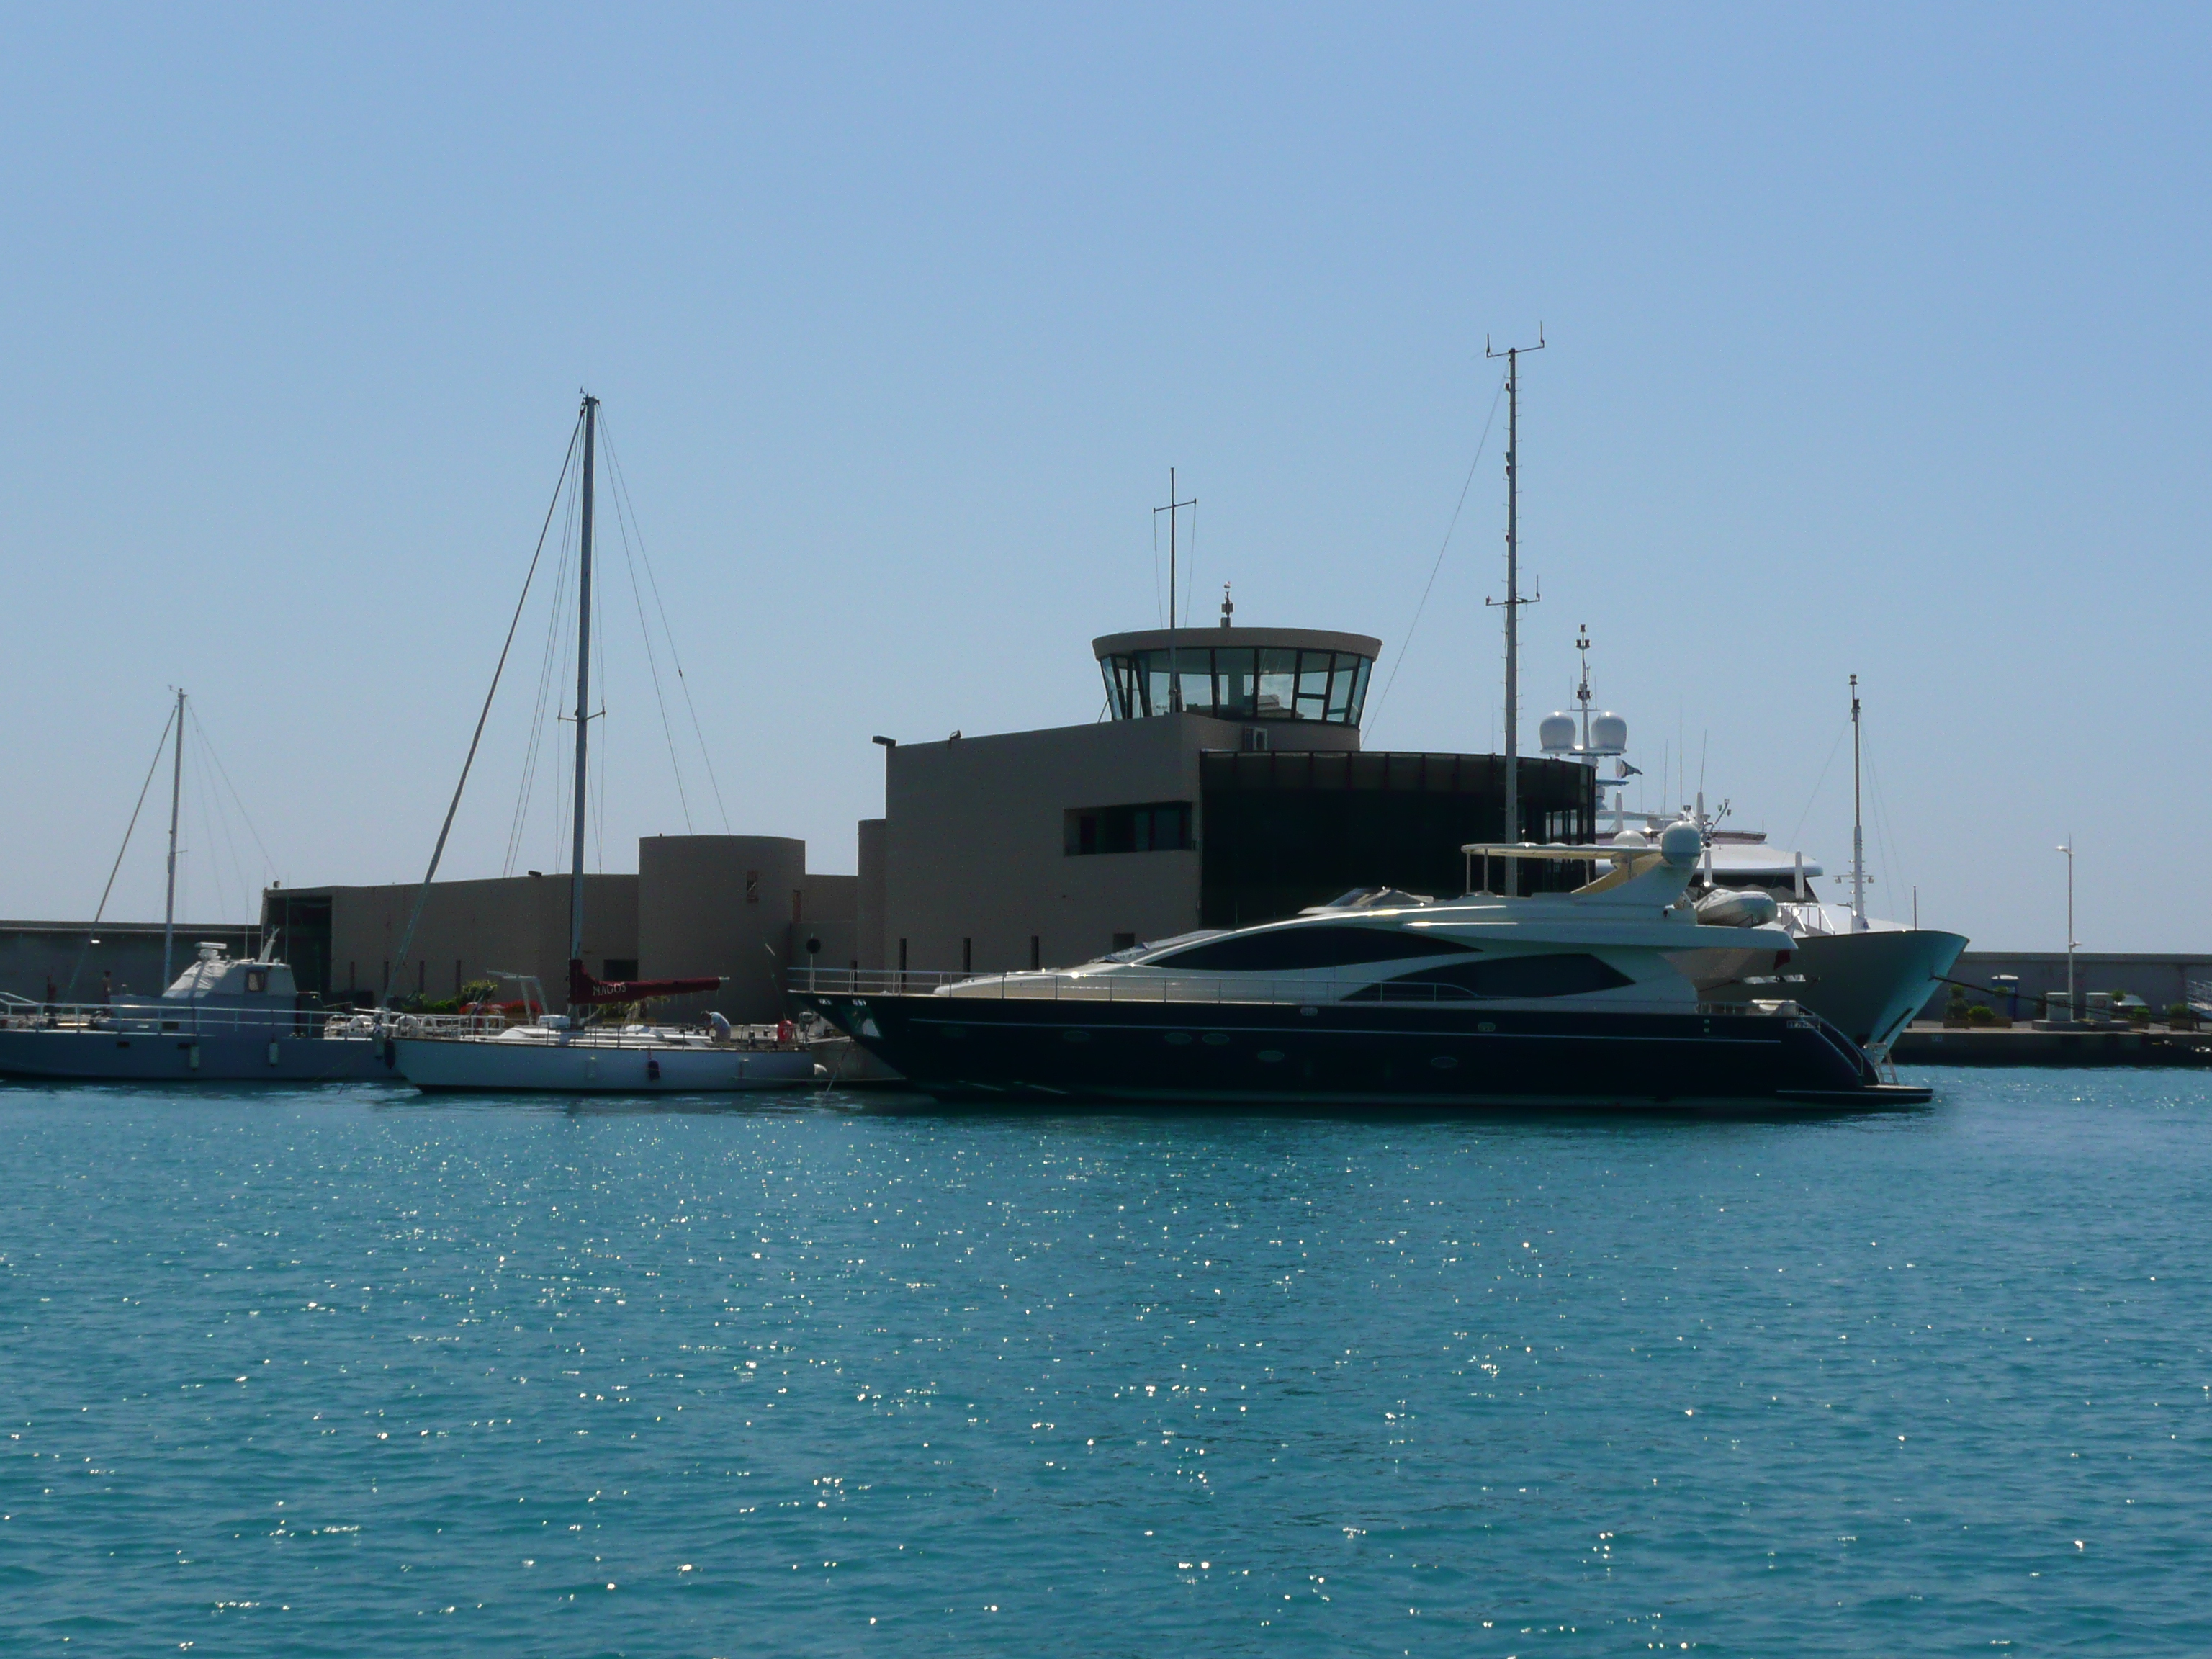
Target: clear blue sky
[1878, 344]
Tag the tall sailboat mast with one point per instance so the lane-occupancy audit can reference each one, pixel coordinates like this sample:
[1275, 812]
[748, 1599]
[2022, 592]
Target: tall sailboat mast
[583, 691]
[1858, 824]
[176, 794]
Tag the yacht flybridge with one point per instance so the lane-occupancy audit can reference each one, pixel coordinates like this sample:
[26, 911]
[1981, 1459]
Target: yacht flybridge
[1615, 994]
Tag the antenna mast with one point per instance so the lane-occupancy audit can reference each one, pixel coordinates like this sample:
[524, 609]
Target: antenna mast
[1513, 601]
[1858, 825]
[583, 690]
[1582, 690]
[176, 793]
[1173, 508]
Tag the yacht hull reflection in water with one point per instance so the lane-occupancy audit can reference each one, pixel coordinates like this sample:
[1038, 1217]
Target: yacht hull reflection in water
[1600, 997]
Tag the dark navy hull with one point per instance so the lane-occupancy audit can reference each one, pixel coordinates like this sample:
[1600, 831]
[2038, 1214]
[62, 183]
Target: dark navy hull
[1339, 1053]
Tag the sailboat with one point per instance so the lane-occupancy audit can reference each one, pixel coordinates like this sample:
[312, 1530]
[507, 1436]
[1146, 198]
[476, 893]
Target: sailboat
[221, 1020]
[566, 1053]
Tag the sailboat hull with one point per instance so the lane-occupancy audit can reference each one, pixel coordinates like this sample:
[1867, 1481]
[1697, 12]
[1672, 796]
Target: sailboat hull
[492, 1066]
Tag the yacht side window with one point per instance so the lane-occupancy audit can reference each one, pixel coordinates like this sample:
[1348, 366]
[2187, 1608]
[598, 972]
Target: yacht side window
[1295, 948]
[257, 979]
[1564, 975]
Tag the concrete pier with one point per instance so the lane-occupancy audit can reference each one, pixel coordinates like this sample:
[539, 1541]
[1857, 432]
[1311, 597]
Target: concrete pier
[1927, 1044]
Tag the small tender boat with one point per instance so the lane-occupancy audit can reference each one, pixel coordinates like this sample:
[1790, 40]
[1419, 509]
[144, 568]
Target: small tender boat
[223, 1021]
[1602, 997]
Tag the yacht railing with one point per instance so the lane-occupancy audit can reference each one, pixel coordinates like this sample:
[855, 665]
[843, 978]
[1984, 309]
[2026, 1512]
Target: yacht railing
[162, 1018]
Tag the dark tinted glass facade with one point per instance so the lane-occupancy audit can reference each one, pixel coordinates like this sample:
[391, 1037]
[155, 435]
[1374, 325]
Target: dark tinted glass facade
[301, 930]
[1283, 830]
[1239, 683]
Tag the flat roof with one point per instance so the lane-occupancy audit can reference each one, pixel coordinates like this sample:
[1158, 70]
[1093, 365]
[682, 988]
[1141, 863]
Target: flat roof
[1290, 639]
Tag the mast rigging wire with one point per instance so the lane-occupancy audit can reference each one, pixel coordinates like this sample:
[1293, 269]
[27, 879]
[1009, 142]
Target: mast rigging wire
[1842, 732]
[626, 526]
[1467, 484]
[407, 938]
[525, 786]
[159, 744]
[200, 729]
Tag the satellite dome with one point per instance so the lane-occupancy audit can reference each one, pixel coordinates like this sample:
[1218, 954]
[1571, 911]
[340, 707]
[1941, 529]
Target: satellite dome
[1608, 735]
[1556, 734]
[1680, 843]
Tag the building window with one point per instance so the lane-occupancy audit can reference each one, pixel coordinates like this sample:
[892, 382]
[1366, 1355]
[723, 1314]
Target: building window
[1036, 953]
[1156, 826]
[752, 887]
[967, 955]
[621, 968]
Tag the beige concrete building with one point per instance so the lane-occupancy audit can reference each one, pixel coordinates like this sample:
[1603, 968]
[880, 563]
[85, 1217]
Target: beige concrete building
[743, 907]
[1228, 787]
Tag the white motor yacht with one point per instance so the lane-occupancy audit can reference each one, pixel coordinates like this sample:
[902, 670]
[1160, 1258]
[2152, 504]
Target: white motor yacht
[1601, 997]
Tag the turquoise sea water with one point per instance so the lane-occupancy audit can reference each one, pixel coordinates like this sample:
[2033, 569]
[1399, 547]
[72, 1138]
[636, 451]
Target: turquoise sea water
[353, 1372]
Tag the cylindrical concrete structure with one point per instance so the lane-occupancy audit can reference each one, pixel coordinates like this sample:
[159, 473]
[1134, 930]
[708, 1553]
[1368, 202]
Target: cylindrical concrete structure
[721, 904]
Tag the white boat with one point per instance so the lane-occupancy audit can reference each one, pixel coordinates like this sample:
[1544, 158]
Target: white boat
[1865, 975]
[1601, 997]
[560, 1051]
[552, 1055]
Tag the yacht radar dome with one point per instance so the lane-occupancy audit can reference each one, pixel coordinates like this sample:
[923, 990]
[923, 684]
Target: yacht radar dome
[1555, 734]
[1608, 735]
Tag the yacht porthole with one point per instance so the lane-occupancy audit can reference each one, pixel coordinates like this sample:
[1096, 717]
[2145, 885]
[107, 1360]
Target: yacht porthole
[1216, 1038]
[1485, 1026]
[1269, 1055]
[956, 1030]
[1180, 1039]
[1309, 1013]
[1076, 1036]
[1444, 1063]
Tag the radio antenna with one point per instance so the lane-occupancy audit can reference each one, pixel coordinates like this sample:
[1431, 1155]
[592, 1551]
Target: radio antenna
[1173, 509]
[1513, 601]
